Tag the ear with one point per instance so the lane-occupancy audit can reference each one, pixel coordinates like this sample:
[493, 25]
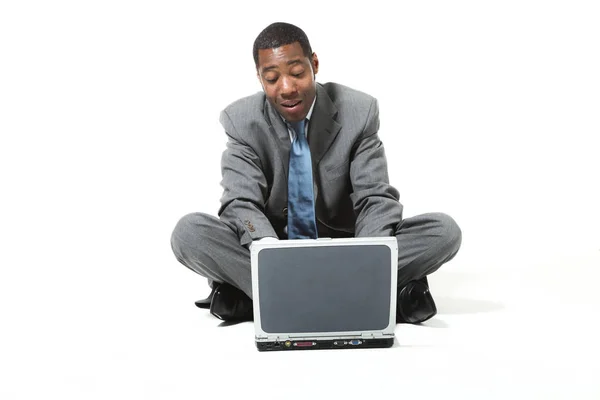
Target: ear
[315, 63]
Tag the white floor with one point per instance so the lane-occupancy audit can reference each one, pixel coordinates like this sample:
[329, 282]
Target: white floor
[520, 330]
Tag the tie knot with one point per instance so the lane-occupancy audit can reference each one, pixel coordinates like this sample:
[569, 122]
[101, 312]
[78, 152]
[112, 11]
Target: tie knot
[298, 127]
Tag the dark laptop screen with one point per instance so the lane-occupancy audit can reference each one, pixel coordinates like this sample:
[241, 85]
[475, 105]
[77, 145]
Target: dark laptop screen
[324, 288]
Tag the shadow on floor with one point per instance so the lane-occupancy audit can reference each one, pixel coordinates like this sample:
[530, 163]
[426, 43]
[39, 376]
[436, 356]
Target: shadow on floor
[231, 323]
[435, 323]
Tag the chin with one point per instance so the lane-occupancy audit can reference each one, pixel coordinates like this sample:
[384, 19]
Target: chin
[290, 117]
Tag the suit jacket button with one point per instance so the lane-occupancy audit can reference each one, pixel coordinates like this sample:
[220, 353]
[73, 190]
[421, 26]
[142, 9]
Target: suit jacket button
[285, 211]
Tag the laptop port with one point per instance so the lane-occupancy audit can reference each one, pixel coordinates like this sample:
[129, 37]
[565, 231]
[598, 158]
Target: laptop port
[304, 344]
[355, 342]
[340, 343]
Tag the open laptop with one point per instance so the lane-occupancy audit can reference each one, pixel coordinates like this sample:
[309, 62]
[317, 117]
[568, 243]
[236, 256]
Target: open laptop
[324, 293]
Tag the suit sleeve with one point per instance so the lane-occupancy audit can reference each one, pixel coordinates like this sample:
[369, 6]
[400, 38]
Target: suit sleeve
[376, 203]
[244, 188]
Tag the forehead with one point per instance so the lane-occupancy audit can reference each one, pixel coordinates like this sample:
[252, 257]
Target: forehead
[280, 56]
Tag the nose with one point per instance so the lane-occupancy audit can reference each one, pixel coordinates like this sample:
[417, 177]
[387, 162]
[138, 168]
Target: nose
[288, 87]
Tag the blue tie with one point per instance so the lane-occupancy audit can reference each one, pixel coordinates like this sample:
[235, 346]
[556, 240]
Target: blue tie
[301, 203]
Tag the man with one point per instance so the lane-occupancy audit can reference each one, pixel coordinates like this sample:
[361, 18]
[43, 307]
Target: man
[278, 186]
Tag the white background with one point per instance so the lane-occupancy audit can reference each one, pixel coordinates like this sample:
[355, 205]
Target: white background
[109, 134]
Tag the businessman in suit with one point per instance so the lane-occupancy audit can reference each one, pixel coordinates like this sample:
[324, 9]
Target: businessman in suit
[348, 195]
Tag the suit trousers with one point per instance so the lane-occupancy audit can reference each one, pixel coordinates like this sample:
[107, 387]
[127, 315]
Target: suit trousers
[210, 248]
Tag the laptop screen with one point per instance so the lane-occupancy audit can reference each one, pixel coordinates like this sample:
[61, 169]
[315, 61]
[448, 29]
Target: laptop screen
[324, 288]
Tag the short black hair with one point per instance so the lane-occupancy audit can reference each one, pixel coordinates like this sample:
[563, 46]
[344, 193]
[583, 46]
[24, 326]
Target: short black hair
[279, 34]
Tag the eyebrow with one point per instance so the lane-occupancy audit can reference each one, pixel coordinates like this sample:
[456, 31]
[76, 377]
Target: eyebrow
[291, 62]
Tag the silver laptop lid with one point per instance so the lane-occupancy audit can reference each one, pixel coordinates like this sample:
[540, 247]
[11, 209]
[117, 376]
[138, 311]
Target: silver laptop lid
[324, 287]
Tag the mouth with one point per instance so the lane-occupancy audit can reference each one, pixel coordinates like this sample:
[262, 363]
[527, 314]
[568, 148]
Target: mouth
[291, 104]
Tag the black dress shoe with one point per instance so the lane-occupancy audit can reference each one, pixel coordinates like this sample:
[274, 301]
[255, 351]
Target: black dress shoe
[205, 303]
[231, 304]
[415, 304]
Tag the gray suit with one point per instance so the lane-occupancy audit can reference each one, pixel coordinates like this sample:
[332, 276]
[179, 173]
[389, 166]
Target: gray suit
[353, 196]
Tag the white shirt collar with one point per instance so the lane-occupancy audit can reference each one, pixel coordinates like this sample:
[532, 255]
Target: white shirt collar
[311, 108]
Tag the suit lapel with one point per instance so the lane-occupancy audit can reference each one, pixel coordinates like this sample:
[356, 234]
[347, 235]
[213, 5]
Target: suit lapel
[323, 128]
[280, 132]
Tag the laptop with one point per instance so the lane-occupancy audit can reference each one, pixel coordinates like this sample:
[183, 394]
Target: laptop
[324, 293]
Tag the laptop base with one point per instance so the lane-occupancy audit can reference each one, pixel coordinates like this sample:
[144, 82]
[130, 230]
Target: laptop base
[325, 344]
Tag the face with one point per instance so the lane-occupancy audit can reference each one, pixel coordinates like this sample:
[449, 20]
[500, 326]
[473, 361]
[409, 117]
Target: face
[288, 79]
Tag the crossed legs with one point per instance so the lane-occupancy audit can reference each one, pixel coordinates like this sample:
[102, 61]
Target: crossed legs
[208, 247]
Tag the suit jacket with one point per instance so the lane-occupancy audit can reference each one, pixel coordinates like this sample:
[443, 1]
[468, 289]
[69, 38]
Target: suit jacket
[353, 196]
